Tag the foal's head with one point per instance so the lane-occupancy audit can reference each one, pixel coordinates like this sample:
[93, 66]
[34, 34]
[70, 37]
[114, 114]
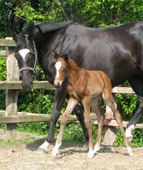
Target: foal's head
[61, 68]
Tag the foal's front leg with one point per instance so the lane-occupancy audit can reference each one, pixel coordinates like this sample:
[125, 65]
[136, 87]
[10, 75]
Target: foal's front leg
[71, 104]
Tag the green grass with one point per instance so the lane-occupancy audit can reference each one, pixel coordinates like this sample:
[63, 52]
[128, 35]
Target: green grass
[15, 142]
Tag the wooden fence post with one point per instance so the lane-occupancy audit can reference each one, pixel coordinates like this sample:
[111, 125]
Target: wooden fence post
[110, 132]
[11, 95]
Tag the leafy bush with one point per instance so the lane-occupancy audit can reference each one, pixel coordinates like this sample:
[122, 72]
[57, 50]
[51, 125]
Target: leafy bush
[2, 78]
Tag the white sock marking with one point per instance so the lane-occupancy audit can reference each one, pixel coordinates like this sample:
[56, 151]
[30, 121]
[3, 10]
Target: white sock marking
[90, 153]
[56, 149]
[129, 149]
[24, 52]
[96, 148]
[129, 130]
[44, 145]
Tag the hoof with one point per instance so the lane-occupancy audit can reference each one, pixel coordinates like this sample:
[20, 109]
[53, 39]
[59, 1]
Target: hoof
[54, 152]
[131, 154]
[85, 147]
[44, 147]
[90, 154]
[43, 150]
[54, 155]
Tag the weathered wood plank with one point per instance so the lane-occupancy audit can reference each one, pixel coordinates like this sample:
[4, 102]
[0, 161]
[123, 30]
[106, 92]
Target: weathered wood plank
[22, 117]
[71, 117]
[7, 43]
[110, 131]
[113, 123]
[11, 95]
[123, 90]
[3, 53]
[16, 85]
[13, 85]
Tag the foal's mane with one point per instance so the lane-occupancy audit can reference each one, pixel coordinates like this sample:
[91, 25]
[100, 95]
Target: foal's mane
[73, 64]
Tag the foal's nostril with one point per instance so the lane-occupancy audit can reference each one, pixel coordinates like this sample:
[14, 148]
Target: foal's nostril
[57, 84]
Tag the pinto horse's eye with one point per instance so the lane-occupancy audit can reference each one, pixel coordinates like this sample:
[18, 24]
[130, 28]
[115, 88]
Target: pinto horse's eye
[64, 70]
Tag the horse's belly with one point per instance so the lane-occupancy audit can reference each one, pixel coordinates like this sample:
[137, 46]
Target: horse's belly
[95, 91]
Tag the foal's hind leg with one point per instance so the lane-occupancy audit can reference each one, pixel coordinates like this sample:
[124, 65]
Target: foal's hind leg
[71, 104]
[100, 117]
[109, 101]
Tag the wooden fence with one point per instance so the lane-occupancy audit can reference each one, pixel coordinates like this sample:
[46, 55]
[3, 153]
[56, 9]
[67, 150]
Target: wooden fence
[12, 85]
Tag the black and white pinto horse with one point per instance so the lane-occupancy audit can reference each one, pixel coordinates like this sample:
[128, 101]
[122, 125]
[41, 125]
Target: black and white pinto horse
[118, 51]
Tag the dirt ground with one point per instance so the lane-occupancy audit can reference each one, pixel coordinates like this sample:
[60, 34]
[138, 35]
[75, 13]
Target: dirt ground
[71, 157]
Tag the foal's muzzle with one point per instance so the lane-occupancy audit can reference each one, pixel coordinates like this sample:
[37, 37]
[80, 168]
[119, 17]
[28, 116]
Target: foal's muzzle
[57, 84]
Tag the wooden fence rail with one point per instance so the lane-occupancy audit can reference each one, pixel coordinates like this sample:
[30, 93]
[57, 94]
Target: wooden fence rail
[10, 116]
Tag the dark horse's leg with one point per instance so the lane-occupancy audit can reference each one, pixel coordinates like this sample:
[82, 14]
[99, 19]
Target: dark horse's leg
[137, 85]
[60, 95]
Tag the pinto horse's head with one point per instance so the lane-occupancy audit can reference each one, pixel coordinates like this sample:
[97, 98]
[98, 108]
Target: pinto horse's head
[26, 55]
[61, 68]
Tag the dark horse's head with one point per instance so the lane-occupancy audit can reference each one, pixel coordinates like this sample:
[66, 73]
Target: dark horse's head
[26, 55]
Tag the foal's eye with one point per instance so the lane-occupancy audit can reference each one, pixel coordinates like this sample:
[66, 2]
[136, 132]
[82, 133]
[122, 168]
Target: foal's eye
[64, 70]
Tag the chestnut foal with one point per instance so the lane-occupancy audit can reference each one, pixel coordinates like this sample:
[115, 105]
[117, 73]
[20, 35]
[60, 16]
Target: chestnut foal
[85, 86]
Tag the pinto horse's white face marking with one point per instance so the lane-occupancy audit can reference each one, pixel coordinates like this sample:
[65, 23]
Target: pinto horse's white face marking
[24, 52]
[58, 66]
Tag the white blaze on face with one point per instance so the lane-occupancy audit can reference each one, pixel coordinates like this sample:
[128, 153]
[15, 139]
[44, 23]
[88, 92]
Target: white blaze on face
[24, 52]
[58, 66]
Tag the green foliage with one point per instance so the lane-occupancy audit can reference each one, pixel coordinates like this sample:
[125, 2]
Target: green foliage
[48, 11]
[36, 101]
[136, 141]
[127, 103]
[96, 14]
[2, 78]
[2, 68]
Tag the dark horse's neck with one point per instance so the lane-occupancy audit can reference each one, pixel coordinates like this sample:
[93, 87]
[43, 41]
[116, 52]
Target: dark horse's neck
[48, 37]
[44, 49]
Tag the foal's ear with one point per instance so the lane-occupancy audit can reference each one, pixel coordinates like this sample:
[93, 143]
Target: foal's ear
[65, 57]
[56, 56]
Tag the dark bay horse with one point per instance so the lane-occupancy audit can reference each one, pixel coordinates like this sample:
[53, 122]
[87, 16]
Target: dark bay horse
[117, 50]
[86, 86]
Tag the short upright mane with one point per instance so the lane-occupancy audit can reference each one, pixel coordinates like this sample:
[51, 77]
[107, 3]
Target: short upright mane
[47, 27]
